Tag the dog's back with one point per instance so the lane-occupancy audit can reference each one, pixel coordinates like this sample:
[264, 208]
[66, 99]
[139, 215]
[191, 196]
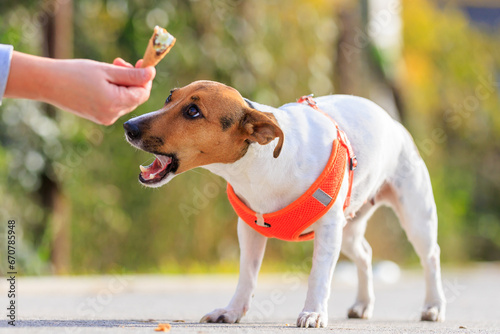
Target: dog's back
[377, 139]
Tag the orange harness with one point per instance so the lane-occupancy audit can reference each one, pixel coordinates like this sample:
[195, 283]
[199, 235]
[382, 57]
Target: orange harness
[289, 223]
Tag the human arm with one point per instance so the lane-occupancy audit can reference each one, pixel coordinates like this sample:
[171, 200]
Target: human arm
[5, 56]
[93, 90]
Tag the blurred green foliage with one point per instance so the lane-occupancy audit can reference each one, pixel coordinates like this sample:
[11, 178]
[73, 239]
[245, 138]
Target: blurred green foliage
[272, 52]
[452, 91]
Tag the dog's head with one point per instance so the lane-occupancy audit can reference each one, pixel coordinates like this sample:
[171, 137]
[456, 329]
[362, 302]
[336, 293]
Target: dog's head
[202, 123]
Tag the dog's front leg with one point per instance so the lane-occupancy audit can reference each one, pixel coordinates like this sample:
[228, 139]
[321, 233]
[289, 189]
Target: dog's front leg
[327, 244]
[252, 247]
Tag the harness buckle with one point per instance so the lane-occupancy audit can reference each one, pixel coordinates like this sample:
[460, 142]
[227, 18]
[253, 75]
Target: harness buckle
[309, 100]
[260, 221]
[264, 224]
[353, 163]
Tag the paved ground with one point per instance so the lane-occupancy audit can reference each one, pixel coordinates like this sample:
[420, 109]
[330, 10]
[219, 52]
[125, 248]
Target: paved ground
[130, 304]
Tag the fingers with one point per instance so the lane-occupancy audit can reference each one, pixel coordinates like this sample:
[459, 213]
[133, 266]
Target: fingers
[129, 87]
[135, 96]
[138, 64]
[129, 98]
[120, 62]
[124, 76]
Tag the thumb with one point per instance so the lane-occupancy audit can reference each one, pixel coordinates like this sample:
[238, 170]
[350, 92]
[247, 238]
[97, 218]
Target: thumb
[124, 76]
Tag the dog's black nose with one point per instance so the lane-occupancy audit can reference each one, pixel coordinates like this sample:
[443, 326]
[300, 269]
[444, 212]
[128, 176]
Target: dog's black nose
[132, 130]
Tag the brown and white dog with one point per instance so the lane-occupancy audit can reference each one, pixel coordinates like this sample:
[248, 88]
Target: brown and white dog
[210, 125]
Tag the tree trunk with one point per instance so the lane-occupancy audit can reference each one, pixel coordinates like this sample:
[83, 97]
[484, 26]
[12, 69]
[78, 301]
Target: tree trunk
[350, 52]
[57, 43]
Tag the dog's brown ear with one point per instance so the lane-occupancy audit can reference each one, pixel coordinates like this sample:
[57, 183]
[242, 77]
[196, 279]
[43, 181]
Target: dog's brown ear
[262, 128]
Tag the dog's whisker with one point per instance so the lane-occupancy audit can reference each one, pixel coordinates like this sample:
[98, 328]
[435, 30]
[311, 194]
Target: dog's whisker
[197, 171]
[148, 162]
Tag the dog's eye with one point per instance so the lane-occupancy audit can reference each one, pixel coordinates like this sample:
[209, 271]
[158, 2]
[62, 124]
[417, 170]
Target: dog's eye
[192, 112]
[169, 98]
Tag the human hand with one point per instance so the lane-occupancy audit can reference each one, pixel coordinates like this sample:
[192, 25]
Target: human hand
[102, 92]
[96, 91]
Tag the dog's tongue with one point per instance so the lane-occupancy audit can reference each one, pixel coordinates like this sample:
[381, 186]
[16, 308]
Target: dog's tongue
[156, 167]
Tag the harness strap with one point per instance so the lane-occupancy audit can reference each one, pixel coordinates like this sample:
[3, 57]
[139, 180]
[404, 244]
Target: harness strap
[342, 137]
[290, 222]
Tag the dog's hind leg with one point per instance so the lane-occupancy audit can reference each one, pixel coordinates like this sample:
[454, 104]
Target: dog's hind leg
[356, 248]
[252, 246]
[410, 195]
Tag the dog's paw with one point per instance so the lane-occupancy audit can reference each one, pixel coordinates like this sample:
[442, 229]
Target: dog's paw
[360, 310]
[312, 319]
[223, 315]
[433, 313]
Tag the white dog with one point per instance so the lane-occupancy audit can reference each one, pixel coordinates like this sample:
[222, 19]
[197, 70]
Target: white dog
[271, 157]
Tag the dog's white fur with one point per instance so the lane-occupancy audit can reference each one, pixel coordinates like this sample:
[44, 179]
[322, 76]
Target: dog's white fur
[390, 171]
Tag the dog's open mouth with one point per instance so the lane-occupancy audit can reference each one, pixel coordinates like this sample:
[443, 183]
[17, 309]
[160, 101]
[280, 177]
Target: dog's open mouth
[158, 169]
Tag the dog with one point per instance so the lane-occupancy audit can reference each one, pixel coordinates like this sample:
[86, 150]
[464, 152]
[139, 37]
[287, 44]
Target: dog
[272, 156]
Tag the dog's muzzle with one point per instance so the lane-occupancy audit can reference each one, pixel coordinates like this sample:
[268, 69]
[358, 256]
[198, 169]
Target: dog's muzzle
[132, 130]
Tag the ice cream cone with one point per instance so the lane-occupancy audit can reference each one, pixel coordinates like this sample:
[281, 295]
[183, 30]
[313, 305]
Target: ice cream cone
[158, 46]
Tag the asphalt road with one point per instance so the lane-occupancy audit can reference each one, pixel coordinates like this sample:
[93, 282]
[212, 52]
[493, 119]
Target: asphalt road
[136, 304]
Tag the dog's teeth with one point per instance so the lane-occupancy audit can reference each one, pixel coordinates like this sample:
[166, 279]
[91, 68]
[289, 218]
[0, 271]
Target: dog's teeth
[151, 176]
[143, 169]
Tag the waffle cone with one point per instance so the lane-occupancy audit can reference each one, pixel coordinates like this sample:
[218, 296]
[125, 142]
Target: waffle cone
[151, 57]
